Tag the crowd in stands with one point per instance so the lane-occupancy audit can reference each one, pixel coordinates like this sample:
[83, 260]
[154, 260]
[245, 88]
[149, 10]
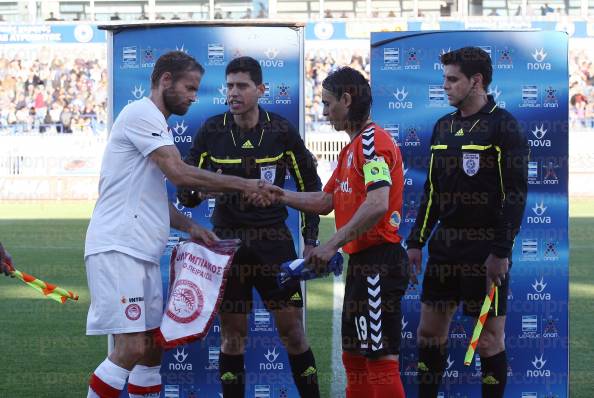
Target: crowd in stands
[318, 63]
[52, 93]
[581, 88]
[61, 92]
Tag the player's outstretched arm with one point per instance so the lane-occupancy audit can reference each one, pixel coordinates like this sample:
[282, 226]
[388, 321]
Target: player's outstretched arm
[309, 202]
[183, 223]
[168, 159]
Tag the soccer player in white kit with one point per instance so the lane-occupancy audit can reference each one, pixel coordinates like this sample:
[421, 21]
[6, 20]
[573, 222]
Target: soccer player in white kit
[130, 227]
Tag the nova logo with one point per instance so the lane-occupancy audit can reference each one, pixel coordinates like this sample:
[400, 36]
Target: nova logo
[400, 103]
[539, 210]
[438, 65]
[406, 334]
[448, 372]
[495, 92]
[271, 357]
[181, 208]
[539, 133]
[180, 357]
[407, 181]
[539, 56]
[271, 60]
[222, 98]
[179, 129]
[182, 49]
[138, 92]
[538, 370]
[539, 295]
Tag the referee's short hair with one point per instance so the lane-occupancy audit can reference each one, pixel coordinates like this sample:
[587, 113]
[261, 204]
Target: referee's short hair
[349, 80]
[175, 62]
[471, 60]
[248, 65]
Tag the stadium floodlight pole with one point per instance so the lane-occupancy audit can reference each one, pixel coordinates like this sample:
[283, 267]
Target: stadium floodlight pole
[152, 11]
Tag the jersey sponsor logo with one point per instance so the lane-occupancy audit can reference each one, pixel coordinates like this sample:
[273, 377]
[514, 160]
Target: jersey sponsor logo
[350, 159]
[343, 186]
[187, 301]
[471, 163]
[247, 145]
[395, 219]
[133, 312]
[268, 174]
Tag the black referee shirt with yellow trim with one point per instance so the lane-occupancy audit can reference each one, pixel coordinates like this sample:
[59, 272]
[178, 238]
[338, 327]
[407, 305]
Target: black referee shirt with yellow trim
[476, 184]
[264, 152]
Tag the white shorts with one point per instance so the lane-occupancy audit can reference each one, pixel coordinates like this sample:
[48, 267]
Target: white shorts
[126, 294]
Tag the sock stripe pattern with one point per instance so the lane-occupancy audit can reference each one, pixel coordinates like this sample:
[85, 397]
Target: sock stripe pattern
[103, 389]
[144, 381]
[375, 311]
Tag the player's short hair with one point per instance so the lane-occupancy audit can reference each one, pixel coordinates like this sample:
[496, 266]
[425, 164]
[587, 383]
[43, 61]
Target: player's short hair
[471, 60]
[349, 80]
[248, 65]
[175, 62]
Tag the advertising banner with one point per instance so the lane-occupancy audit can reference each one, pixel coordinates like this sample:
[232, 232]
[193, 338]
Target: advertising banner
[192, 371]
[529, 80]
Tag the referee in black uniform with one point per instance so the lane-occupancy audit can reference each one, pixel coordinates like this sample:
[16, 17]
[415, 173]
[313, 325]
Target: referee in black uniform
[250, 142]
[476, 190]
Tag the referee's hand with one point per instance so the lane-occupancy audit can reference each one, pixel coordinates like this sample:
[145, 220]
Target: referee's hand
[496, 270]
[415, 260]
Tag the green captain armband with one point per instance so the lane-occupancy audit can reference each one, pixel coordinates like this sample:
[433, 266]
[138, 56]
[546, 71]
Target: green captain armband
[376, 171]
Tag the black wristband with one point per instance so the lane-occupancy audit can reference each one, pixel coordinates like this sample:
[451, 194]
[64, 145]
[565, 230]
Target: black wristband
[311, 242]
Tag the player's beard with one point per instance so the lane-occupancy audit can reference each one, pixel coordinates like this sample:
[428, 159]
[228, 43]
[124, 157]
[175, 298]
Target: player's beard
[173, 103]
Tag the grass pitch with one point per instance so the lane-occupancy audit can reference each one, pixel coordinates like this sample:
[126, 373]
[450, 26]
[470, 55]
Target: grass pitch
[45, 353]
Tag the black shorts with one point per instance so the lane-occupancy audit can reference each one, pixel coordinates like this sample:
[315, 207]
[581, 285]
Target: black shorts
[371, 314]
[256, 265]
[446, 282]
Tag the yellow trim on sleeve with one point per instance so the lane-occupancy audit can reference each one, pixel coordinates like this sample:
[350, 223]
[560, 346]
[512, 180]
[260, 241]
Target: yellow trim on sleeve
[430, 201]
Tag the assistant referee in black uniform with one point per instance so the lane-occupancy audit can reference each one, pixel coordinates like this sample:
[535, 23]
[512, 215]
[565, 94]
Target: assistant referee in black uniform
[476, 190]
[250, 142]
